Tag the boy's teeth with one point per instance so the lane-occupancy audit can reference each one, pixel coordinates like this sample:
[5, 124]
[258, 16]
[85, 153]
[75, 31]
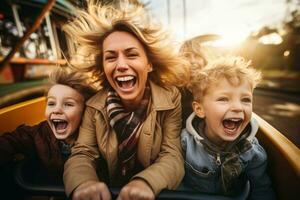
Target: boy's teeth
[57, 120]
[59, 124]
[232, 123]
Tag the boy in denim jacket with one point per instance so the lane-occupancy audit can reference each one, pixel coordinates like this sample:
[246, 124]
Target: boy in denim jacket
[220, 148]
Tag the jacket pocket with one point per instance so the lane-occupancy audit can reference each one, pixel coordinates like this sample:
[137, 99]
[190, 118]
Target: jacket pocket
[200, 179]
[204, 172]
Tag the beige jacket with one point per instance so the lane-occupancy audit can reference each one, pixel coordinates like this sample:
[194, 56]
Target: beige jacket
[159, 149]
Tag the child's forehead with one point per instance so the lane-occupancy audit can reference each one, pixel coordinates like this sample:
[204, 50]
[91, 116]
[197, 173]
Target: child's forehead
[223, 82]
[60, 90]
[60, 87]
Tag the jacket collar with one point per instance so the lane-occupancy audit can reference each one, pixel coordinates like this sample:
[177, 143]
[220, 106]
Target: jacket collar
[160, 98]
[191, 130]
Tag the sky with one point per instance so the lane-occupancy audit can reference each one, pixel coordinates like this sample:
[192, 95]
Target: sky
[232, 19]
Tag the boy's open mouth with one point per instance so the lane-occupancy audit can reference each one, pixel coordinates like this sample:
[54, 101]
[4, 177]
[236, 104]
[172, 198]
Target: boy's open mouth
[126, 82]
[232, 124]
[59, 124]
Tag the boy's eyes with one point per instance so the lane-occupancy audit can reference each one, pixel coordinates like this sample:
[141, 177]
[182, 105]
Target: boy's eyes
[66, 104]
[50, 103]
[69, 104]
[222, 99]
[225, 99]
[247, 100]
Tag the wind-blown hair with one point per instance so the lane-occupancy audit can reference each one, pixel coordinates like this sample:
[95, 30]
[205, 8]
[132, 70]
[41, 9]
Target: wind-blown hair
[234, 69]
[200, 50]
[73, 79]
[91, 26]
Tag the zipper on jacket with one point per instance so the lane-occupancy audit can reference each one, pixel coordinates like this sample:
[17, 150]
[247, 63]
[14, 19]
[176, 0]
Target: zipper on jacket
[218, 159]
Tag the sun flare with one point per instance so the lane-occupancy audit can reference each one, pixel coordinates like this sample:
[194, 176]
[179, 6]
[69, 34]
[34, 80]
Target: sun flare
[229, 40]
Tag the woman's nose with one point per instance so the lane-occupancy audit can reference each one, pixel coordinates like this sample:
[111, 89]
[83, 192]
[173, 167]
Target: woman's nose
[122, 64]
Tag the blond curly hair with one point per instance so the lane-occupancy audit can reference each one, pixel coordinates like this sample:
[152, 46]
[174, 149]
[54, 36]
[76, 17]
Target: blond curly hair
[91, 26]
[234, 69]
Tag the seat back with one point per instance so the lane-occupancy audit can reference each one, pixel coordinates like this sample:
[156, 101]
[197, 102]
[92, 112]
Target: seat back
[28, 112]
[283, 160]
[283, 155]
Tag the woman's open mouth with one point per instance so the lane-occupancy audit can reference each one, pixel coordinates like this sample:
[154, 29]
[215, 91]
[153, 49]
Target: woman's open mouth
[231, 125]
[60, 125]
[126, 82]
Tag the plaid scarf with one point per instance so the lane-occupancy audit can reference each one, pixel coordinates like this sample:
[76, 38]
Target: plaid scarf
[127, 125]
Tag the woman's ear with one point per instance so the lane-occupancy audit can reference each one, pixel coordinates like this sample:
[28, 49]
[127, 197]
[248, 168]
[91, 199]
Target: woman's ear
[149, 67]
[198, 109]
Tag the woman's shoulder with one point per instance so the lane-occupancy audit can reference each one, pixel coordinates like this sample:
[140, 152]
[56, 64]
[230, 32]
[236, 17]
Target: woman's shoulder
[164, 88]
[167, 97]
[98, 100]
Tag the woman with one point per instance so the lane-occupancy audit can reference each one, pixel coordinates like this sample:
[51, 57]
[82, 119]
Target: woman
[132, 126]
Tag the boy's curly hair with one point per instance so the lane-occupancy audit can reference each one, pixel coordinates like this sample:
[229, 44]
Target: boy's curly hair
[234, 69]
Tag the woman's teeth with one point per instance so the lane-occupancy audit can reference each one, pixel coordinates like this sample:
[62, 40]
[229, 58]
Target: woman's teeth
[126, 81]
[125, 78]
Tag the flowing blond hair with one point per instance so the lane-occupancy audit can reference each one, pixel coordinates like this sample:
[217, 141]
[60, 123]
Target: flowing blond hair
[92, 25]
[234, 69]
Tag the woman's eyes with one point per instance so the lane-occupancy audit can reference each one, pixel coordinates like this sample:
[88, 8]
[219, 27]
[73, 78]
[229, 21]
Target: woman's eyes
[132, 55]
[109, 58]
[114, 57]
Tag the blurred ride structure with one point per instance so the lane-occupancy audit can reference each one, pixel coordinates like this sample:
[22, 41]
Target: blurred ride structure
[31, 44]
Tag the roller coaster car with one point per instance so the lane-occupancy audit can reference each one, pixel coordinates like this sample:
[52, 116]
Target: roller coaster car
[283, 158]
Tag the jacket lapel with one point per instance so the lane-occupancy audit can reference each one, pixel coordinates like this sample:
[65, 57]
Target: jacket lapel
[160, 101]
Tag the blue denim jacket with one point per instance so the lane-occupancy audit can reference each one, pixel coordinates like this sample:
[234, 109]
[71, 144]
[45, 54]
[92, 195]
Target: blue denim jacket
[202, 170]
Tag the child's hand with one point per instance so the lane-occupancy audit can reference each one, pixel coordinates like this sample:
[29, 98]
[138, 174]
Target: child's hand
[92, 190]
[136, 189]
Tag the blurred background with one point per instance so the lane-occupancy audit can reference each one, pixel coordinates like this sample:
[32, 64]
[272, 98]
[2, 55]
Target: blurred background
[266, 32]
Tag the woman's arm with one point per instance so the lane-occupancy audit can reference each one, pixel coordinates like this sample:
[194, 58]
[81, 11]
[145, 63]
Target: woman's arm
[81, 166]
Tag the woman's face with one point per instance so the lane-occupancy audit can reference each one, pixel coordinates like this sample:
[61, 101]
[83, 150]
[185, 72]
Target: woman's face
[126, 67]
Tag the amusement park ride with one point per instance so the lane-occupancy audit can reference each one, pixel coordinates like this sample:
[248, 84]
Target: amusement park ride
[283, 155]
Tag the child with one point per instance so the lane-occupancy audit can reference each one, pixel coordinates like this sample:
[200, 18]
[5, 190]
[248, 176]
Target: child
[198, 51]
[50, 141]
[220, 149]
